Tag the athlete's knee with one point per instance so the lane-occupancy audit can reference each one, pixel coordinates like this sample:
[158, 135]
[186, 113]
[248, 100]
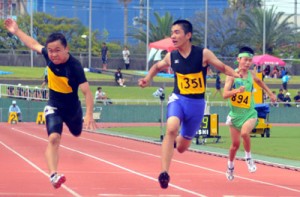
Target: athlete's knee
[235, 146]
[182, 144]
[76, 132]
[172, 132]
[54, 139]
[245, 135]
[182, 149]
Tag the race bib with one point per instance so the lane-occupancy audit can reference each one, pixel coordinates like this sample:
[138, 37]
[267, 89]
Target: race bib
[190, 83]
[241, 100]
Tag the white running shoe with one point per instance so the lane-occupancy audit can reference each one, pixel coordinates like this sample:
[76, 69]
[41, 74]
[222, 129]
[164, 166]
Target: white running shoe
[229, 173]
[56, 180]
[251, 165]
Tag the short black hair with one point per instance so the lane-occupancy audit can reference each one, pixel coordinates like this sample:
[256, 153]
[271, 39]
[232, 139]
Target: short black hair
[57, 36]
[247, 50]
[185, 24]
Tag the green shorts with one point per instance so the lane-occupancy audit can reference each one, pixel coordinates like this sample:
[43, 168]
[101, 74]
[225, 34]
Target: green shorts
[238, 120]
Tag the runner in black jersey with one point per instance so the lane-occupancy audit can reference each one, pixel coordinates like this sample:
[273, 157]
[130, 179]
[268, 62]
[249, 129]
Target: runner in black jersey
[186, 104]
[65, 76]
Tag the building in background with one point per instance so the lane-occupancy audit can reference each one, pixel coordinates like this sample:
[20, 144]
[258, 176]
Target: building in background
[12, 8]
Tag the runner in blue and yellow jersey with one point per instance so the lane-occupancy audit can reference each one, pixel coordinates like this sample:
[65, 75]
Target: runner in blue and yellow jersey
[65, 76]
[187, 102]
[242, 117]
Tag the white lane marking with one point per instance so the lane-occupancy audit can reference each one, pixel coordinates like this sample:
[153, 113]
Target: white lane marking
[193, 165]
[38, 168]
[145, 153]
[113, 164]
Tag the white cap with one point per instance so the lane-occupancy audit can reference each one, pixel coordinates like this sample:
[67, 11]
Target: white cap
[19, 84]
[14, 102]
[287, 94]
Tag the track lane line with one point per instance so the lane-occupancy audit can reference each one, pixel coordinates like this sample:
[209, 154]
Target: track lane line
[112, 164]
[192, 165]
[72, 192]
[149, 154]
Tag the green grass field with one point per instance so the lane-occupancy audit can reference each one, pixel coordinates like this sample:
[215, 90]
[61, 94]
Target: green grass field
[115, 92]
[283, 142]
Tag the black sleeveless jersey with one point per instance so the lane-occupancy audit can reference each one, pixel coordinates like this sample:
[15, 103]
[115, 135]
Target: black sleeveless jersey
[189, 73]
[63, 81]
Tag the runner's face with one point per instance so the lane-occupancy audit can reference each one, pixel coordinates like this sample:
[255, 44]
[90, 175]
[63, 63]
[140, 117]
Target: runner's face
[245, 63]
[57, 53]
[178, 36]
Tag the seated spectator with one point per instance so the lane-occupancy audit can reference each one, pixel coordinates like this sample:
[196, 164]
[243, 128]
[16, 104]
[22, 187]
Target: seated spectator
[119, 78]
[275, 72]
[20, 90]
[282, 72]
[37, 95]
[267, 71]
[287, 100]
[297, 99]
[101, 97]
[280, 96]
[10, 90]
[15, 108]
[257, 68]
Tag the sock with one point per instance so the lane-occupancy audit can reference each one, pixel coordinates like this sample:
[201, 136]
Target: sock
[230, 164]
[52, 175]
[248, 155]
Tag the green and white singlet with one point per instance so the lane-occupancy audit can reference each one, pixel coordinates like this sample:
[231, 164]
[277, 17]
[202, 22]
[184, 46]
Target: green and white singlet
[242, 104]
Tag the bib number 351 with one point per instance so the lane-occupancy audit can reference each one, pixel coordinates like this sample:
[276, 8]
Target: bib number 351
[191, 83]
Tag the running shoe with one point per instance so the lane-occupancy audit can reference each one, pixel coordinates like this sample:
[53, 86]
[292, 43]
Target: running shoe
[229, 173]
[56, 180]
[251, 165]
[164, 179]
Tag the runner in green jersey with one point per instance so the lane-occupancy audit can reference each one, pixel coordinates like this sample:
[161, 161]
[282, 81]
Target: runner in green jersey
[242, 117]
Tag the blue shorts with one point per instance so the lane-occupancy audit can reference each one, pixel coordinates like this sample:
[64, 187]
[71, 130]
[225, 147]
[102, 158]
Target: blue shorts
[104, 60]
[190, 112]
[55, 117]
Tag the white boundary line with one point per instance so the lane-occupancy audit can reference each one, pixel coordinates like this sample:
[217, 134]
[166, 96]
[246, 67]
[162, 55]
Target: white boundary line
[272, 164]
[151, 178]
[38, 168]
[110, 163]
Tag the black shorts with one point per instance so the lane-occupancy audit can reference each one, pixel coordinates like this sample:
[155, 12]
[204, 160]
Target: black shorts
[55, 117]
[284, 85]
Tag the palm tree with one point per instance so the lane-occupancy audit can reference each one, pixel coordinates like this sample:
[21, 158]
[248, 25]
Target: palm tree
[156, 32]
[278, 30]
[243, 4]
[125, 2]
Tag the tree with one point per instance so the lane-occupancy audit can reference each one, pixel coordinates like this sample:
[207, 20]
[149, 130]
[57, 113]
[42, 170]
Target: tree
[219, 27]
[45, 24]
[125, 2]
[243, 4]
[158, 31]
[278, 30]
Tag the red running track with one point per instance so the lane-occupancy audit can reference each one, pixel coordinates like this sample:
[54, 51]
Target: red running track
[101, 165]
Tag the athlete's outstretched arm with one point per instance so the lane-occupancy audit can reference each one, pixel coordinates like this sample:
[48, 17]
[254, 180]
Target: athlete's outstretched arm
[89, 101]
[210, 58]
[159, 66]
[31, 43]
